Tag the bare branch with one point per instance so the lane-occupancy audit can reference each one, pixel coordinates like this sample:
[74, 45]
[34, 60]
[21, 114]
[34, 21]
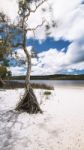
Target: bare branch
[17, 45]
[33, 29]
[33, 11]
[37, 6]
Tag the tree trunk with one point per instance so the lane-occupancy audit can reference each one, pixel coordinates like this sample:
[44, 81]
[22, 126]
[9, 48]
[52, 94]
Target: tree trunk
[2, 83]
[29, 102]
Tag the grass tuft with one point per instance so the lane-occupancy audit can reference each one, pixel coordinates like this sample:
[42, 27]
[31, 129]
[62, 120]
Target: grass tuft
[47, 93]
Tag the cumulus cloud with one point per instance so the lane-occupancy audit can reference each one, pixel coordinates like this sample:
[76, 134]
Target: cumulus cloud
[54, 61]
[10, 8]
[75, 52]
[69, 17]
[18, 70]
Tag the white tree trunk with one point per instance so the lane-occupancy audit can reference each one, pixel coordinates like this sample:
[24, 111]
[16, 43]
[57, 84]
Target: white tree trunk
[27, 80]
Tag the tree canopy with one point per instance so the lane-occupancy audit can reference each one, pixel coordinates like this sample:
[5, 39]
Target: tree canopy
[4, 44]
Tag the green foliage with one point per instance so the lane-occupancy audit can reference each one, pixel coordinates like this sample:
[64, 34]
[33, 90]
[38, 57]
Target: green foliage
[3, 71]
[47, 93]
[1, 54]
[4, 49]
[1, 50]
[5, 62]
[9, 74]
[5, 46]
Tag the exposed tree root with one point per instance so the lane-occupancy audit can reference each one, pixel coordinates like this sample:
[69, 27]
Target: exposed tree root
[29, 103]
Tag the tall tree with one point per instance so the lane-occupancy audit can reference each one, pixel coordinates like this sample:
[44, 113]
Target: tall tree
[29, 102]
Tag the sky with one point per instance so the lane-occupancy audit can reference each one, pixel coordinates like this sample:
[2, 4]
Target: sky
[62, 50]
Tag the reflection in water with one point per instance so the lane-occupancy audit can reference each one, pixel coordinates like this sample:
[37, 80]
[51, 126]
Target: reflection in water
[78, 83]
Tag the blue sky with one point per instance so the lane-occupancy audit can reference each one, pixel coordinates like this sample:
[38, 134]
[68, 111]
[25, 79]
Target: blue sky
[48, 43]
[62, 51]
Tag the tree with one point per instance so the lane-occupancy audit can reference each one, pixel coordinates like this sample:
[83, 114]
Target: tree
[4, 46]
[29, 102]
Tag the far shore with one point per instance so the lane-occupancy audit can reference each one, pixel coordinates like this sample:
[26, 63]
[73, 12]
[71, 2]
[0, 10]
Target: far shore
[50, 77]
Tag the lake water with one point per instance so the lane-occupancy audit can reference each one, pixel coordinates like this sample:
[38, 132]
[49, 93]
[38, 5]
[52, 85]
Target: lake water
[77, 83]
[64, 83]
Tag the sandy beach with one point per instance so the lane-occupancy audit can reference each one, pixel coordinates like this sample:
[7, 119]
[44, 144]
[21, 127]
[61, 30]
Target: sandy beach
[60, 127]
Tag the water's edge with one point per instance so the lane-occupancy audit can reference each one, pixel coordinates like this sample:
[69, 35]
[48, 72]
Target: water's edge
[77, 83]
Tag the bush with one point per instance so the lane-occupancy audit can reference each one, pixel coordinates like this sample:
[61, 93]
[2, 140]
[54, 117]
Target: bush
[3, 71]
[47, 93]
[42, 86]
[1, 84]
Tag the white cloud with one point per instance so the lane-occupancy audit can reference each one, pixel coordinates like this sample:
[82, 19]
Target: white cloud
[53, 61]
[72, 25]
[48, 62]
[21, 53]
[75, 52]
[18, 71]
[10, 8]
[78, 66]
[69, 16]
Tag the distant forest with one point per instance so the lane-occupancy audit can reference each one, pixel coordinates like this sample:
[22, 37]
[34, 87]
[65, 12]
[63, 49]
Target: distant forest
[50, 77]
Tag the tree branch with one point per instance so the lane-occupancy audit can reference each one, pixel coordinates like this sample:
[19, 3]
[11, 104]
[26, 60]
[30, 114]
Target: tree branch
[17, 45]
[33, 11]
[33, 29]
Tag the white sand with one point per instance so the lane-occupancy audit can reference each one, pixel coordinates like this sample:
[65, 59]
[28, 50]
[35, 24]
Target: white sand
[60, 127]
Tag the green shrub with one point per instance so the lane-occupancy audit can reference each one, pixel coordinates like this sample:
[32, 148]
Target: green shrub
[3, 71]
[47, 93]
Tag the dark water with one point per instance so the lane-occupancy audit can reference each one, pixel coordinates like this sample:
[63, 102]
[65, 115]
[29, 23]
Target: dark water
[78, 83]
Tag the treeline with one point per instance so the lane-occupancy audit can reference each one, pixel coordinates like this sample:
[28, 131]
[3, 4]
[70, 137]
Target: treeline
[50, 77]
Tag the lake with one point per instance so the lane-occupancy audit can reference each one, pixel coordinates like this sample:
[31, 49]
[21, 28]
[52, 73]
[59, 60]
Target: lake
[57, 83]
[77, 83]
